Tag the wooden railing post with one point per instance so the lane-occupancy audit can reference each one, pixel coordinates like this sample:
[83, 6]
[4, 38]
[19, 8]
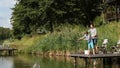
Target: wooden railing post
[75, 62]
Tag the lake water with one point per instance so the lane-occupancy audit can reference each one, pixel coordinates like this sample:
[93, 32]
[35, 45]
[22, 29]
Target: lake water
[28, 61]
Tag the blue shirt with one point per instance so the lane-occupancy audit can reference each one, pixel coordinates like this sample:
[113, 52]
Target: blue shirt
[87, 37]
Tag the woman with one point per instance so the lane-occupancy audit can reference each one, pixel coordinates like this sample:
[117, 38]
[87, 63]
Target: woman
[93, 33]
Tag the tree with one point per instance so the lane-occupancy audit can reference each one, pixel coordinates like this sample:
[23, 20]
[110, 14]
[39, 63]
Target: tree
[5, 33]
[30, 15]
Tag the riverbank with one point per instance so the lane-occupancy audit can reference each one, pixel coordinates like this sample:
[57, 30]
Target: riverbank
[63, 40]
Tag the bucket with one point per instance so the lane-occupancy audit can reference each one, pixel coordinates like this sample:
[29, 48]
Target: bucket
[86, 52]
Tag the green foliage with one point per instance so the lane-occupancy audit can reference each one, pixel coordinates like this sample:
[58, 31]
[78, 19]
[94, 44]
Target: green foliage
[98, 21]
[30, 15]
[5, 33]
[66, 38]
[109, 31]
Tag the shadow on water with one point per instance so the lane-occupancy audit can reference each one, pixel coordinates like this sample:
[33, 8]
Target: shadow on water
[42, 62]
[100, 63]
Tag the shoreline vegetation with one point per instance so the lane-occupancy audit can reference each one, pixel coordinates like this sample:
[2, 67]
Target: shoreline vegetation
[53, 26]
[63, 40]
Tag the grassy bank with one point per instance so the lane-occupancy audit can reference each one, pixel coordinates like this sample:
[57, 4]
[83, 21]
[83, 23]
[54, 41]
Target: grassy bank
[63, 39]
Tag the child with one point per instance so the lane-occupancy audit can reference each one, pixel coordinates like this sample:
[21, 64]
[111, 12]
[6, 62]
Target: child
[87, 37]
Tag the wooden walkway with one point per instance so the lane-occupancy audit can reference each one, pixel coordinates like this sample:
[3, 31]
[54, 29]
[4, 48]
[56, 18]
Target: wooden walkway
[102, 56]
[9, 51]
[109, 55]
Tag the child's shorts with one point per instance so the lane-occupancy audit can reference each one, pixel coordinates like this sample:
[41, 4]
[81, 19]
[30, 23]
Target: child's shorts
[90, 45]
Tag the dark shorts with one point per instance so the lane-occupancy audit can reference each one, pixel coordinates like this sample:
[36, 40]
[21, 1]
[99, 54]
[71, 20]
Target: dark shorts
[94, 41]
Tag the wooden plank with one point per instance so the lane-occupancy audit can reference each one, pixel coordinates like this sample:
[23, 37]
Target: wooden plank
[1, 49]
[95, 56]
[9, 51]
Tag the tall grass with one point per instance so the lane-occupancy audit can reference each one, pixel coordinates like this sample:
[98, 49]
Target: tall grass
[22, 44]
[64, 38]
[109, 31]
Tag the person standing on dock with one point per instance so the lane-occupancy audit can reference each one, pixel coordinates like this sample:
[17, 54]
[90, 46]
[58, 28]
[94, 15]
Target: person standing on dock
[88, 37]
[93, 33]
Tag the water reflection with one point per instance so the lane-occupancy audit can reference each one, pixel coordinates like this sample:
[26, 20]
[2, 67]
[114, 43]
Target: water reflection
[98, 63]
[42, 62]
[36, 65]
[28, 61]
[6, 62]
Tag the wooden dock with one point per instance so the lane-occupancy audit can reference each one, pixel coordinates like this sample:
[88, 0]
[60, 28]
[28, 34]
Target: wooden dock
[96, 56]
[9, 51]
[109, 55]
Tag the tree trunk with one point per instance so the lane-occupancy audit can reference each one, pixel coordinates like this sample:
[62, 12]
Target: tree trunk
[51, 27]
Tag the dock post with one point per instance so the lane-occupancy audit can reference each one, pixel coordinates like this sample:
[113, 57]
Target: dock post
[86, 62]
[75, 62]
[103, 62]
[118, 62]
[10, 52]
